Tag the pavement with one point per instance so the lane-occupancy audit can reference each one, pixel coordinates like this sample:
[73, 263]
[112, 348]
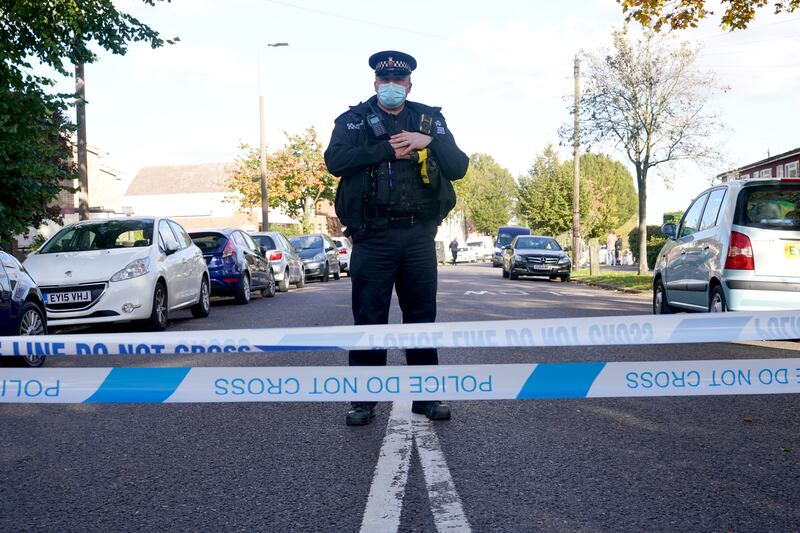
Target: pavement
[646, 464]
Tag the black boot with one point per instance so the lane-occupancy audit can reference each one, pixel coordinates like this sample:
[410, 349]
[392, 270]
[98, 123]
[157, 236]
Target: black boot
[360, 415]
[434, 410]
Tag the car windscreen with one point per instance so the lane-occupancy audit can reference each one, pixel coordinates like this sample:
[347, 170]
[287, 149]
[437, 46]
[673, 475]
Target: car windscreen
[209, 242]
[536, 243]
[101, 236]
[265, 241]
[773, 206]
[306, 242]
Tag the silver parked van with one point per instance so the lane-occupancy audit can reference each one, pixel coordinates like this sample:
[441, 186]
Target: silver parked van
[737, 248]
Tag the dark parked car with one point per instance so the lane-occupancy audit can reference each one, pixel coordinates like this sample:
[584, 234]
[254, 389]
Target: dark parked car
[236, 264]
[320, 256]
[287, 267]
[21, 308]
[534, 255]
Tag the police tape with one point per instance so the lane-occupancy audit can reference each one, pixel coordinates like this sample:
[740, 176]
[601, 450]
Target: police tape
[584, 331]
[339, 384]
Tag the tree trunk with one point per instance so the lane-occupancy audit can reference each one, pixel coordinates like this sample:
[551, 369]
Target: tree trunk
[641, 181]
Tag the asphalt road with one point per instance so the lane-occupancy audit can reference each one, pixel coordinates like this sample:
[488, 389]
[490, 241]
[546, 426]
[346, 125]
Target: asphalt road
[648, 464]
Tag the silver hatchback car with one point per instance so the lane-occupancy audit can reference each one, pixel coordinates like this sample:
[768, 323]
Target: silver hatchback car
[286, 264]
[737, 248]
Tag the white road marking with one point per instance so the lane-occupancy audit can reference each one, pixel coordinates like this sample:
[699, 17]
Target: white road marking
[448, 513]
[385, 500]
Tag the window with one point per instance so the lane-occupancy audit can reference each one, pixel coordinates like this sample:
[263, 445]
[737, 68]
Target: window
[250, 244]
[779, 171]
[180, 233]
[712, 209]
[755, 174]
[791, 170]
[766, 173]
[238, 239]
[266, 241]
[770, 207]
[745, 176]
[167, 237]
[104, 235]
[691, 220]
[5, 284]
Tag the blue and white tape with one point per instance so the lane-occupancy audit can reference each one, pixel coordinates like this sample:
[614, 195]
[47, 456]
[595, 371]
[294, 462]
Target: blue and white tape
[339, 384]
[584, 331]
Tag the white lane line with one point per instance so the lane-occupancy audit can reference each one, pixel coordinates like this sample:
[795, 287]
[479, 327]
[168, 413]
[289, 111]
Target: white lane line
[448, 513]
[382, 514]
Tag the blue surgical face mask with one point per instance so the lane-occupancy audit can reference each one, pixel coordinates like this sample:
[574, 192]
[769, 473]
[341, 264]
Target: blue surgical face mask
[391, 95]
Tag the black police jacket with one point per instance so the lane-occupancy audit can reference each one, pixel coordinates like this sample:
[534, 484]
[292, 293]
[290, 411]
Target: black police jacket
[354, 149]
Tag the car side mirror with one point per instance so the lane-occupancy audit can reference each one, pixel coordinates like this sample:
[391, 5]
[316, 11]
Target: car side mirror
[263, 251]
[329, 249]
[172, 247]
[507, 247]
[669, 230]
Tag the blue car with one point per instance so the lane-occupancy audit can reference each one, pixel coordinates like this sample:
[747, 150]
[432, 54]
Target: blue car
[21, 308]
[236, 264]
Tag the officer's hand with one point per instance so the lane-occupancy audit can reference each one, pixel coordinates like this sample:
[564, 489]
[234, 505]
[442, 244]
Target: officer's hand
[401, 154]
[407, 142]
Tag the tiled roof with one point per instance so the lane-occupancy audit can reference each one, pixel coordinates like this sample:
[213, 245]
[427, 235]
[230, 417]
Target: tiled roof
[180, 179]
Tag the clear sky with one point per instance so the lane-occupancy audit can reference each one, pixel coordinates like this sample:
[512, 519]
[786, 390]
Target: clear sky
[502, 72]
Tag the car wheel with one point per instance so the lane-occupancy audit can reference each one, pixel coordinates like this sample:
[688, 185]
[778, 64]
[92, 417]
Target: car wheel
[325, 274]
[160, 313]
[660, 305]
[302, 281]
[512, 275]
[270, 291]
[32, 323]
[717, 303]
[203, 305]
[283, 285]
[242, 296]
[565, 279]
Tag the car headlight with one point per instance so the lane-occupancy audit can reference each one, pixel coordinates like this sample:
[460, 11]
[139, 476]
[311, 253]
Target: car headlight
[319, 257]
[564, 260]
[517, 258]
[134, 269]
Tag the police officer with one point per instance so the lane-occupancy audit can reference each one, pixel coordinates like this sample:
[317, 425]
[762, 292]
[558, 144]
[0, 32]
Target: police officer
[396, 159]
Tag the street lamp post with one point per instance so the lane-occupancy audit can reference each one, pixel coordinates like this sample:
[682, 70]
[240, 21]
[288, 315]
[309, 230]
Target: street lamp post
[263, 145]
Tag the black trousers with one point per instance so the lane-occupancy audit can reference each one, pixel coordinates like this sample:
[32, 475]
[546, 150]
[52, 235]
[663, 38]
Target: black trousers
[403, 259]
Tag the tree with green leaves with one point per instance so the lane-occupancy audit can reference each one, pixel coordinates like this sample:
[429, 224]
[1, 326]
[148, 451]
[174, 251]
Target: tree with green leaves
[649, 99]
[608, 196]
[545, 195]
[35, 159]
[297, 178]
[486, 194]
[681, 14]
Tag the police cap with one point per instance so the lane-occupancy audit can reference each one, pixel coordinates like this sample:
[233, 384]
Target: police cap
[392, 63]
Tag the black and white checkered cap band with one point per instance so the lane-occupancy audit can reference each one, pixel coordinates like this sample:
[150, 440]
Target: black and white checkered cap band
[394, 64]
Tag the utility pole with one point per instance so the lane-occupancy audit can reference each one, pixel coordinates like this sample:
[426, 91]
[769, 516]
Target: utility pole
[576, 171]
[83, 170]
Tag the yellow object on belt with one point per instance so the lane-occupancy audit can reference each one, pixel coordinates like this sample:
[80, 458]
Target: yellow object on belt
[423, 160]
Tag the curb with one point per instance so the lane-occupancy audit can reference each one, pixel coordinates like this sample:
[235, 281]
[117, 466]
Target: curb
[608, 287]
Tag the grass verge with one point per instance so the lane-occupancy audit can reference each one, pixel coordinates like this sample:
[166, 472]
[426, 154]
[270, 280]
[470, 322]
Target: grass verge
[615, 279]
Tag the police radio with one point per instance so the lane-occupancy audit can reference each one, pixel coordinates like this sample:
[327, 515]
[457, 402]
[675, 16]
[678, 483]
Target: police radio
[376, 123]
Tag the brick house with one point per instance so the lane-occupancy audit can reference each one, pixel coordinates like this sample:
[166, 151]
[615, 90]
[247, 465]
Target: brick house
[785, 165]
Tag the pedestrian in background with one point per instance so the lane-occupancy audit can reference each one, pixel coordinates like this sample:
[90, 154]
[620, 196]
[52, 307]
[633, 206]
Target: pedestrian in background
[454, 250]
[618, 250]
[611, 241]
[396, 160]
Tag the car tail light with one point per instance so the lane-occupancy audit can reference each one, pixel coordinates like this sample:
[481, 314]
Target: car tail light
[276, 256]
[229, 250]
[740, 253]
[343, 251]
